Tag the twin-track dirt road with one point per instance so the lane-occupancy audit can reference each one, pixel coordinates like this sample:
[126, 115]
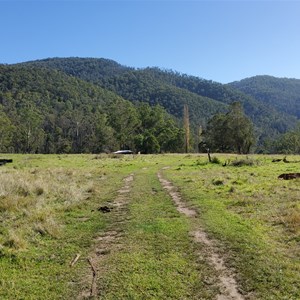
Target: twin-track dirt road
[111, 241]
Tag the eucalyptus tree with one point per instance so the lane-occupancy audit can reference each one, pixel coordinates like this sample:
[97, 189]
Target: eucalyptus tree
[231, 132]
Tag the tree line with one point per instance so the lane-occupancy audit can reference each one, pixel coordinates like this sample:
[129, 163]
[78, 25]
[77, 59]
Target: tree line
[44, 111]
[119, 125]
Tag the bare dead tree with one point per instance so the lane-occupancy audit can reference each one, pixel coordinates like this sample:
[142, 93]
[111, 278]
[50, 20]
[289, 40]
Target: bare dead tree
[186, 120]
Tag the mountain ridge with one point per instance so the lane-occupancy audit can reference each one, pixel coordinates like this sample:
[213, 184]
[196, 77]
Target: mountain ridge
[172, 90]
[282, 93]
[153, 86]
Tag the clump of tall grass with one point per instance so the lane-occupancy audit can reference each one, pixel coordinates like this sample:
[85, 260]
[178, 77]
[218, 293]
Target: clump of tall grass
[15, 241]
[244, 162]
[8, 203]
[200, 162]
[47, 226]
[116, 156]
[71, 196]
[101, 156]
[215, 160]
[291, 219]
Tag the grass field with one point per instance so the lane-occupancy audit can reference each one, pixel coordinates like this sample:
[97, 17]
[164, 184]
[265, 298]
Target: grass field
[52, 210]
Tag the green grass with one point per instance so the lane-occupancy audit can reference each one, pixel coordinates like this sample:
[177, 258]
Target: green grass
[250, 214]
[49, 213]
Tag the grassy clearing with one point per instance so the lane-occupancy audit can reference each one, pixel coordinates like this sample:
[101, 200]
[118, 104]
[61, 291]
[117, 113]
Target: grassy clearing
[49, 213]
[255, 215]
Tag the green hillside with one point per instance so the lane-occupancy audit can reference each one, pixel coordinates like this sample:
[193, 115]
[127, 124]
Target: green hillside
[266, 118]
[172, 90]
[136, 85]
[71, 95]
[88, 69]
[47, 111]
[281, 93]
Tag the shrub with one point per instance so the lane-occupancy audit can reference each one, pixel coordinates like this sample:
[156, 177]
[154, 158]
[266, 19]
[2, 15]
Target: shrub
[215, 160]
[243, 162]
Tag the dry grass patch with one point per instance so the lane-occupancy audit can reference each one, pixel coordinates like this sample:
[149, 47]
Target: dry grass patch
[32, 199]
[291, 219]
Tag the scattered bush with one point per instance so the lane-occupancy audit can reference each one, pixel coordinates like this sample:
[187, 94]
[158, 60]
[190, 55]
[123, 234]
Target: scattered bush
[198, 162]
[215, 160]
[243, 162]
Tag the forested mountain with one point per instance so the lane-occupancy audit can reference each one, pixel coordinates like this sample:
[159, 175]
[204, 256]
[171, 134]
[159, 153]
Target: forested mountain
[267, 119]
[281, 93]
[43, 110]
[72, 105]
[136, 85]
[172, 90]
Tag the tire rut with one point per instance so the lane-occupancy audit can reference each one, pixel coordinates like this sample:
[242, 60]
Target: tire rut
[227, 283]
[108, 241]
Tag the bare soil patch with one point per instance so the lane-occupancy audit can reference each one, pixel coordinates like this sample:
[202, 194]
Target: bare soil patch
[227, 283]
[181, 207]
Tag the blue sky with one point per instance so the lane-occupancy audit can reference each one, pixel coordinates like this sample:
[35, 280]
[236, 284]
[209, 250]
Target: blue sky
[217, 40]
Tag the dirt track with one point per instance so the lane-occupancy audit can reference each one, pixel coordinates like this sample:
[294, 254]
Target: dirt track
[110, 241]
[227, 283]
[107, 242]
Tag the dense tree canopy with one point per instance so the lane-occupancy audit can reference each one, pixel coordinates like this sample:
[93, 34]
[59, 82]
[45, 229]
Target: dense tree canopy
[172, 90]
[231, 132]
[46, 111]
[6, 132]
[281, 93]
[72, 105]
[158, 131]
[287, 143]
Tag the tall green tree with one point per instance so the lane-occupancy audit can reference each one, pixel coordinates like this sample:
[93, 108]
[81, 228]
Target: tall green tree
[231, 132]
[288, 143]
[123, 118]
[158, 131]
[216, 137]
